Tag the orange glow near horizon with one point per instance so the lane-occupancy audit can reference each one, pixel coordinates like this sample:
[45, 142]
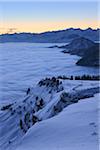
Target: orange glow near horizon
[38, 27]
[37, 17]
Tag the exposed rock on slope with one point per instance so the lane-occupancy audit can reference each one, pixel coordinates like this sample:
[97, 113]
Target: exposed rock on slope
[48, 98]
[75, 128]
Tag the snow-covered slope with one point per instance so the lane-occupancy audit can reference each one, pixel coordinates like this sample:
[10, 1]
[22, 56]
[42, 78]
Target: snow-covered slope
[75, 128]
[45, 100]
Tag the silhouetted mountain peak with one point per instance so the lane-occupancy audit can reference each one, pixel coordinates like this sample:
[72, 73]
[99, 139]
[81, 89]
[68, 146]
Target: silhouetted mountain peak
[81, 43]
[78, 46]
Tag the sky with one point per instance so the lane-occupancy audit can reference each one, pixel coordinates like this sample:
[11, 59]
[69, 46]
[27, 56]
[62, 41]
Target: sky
[47, 16]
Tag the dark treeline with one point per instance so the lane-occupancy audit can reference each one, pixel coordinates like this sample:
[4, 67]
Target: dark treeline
[6, 107]
[83, 77]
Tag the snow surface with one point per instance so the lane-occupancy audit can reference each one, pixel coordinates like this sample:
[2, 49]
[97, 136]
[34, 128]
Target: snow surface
[75, 128]
[53, 97]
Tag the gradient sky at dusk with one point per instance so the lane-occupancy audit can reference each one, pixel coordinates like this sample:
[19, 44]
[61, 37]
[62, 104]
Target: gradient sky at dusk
[45, 16]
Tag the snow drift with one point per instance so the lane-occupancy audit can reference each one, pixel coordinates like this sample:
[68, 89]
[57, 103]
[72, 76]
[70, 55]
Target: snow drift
[75, 128]
[45, 100]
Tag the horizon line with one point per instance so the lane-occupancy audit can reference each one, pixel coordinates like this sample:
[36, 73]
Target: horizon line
[53, 30]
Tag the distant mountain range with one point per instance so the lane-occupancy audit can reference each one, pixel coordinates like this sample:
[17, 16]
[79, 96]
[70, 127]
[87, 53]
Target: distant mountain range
[61, 36]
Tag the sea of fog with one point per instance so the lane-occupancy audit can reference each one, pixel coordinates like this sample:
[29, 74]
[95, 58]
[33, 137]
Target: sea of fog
[23, 64]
